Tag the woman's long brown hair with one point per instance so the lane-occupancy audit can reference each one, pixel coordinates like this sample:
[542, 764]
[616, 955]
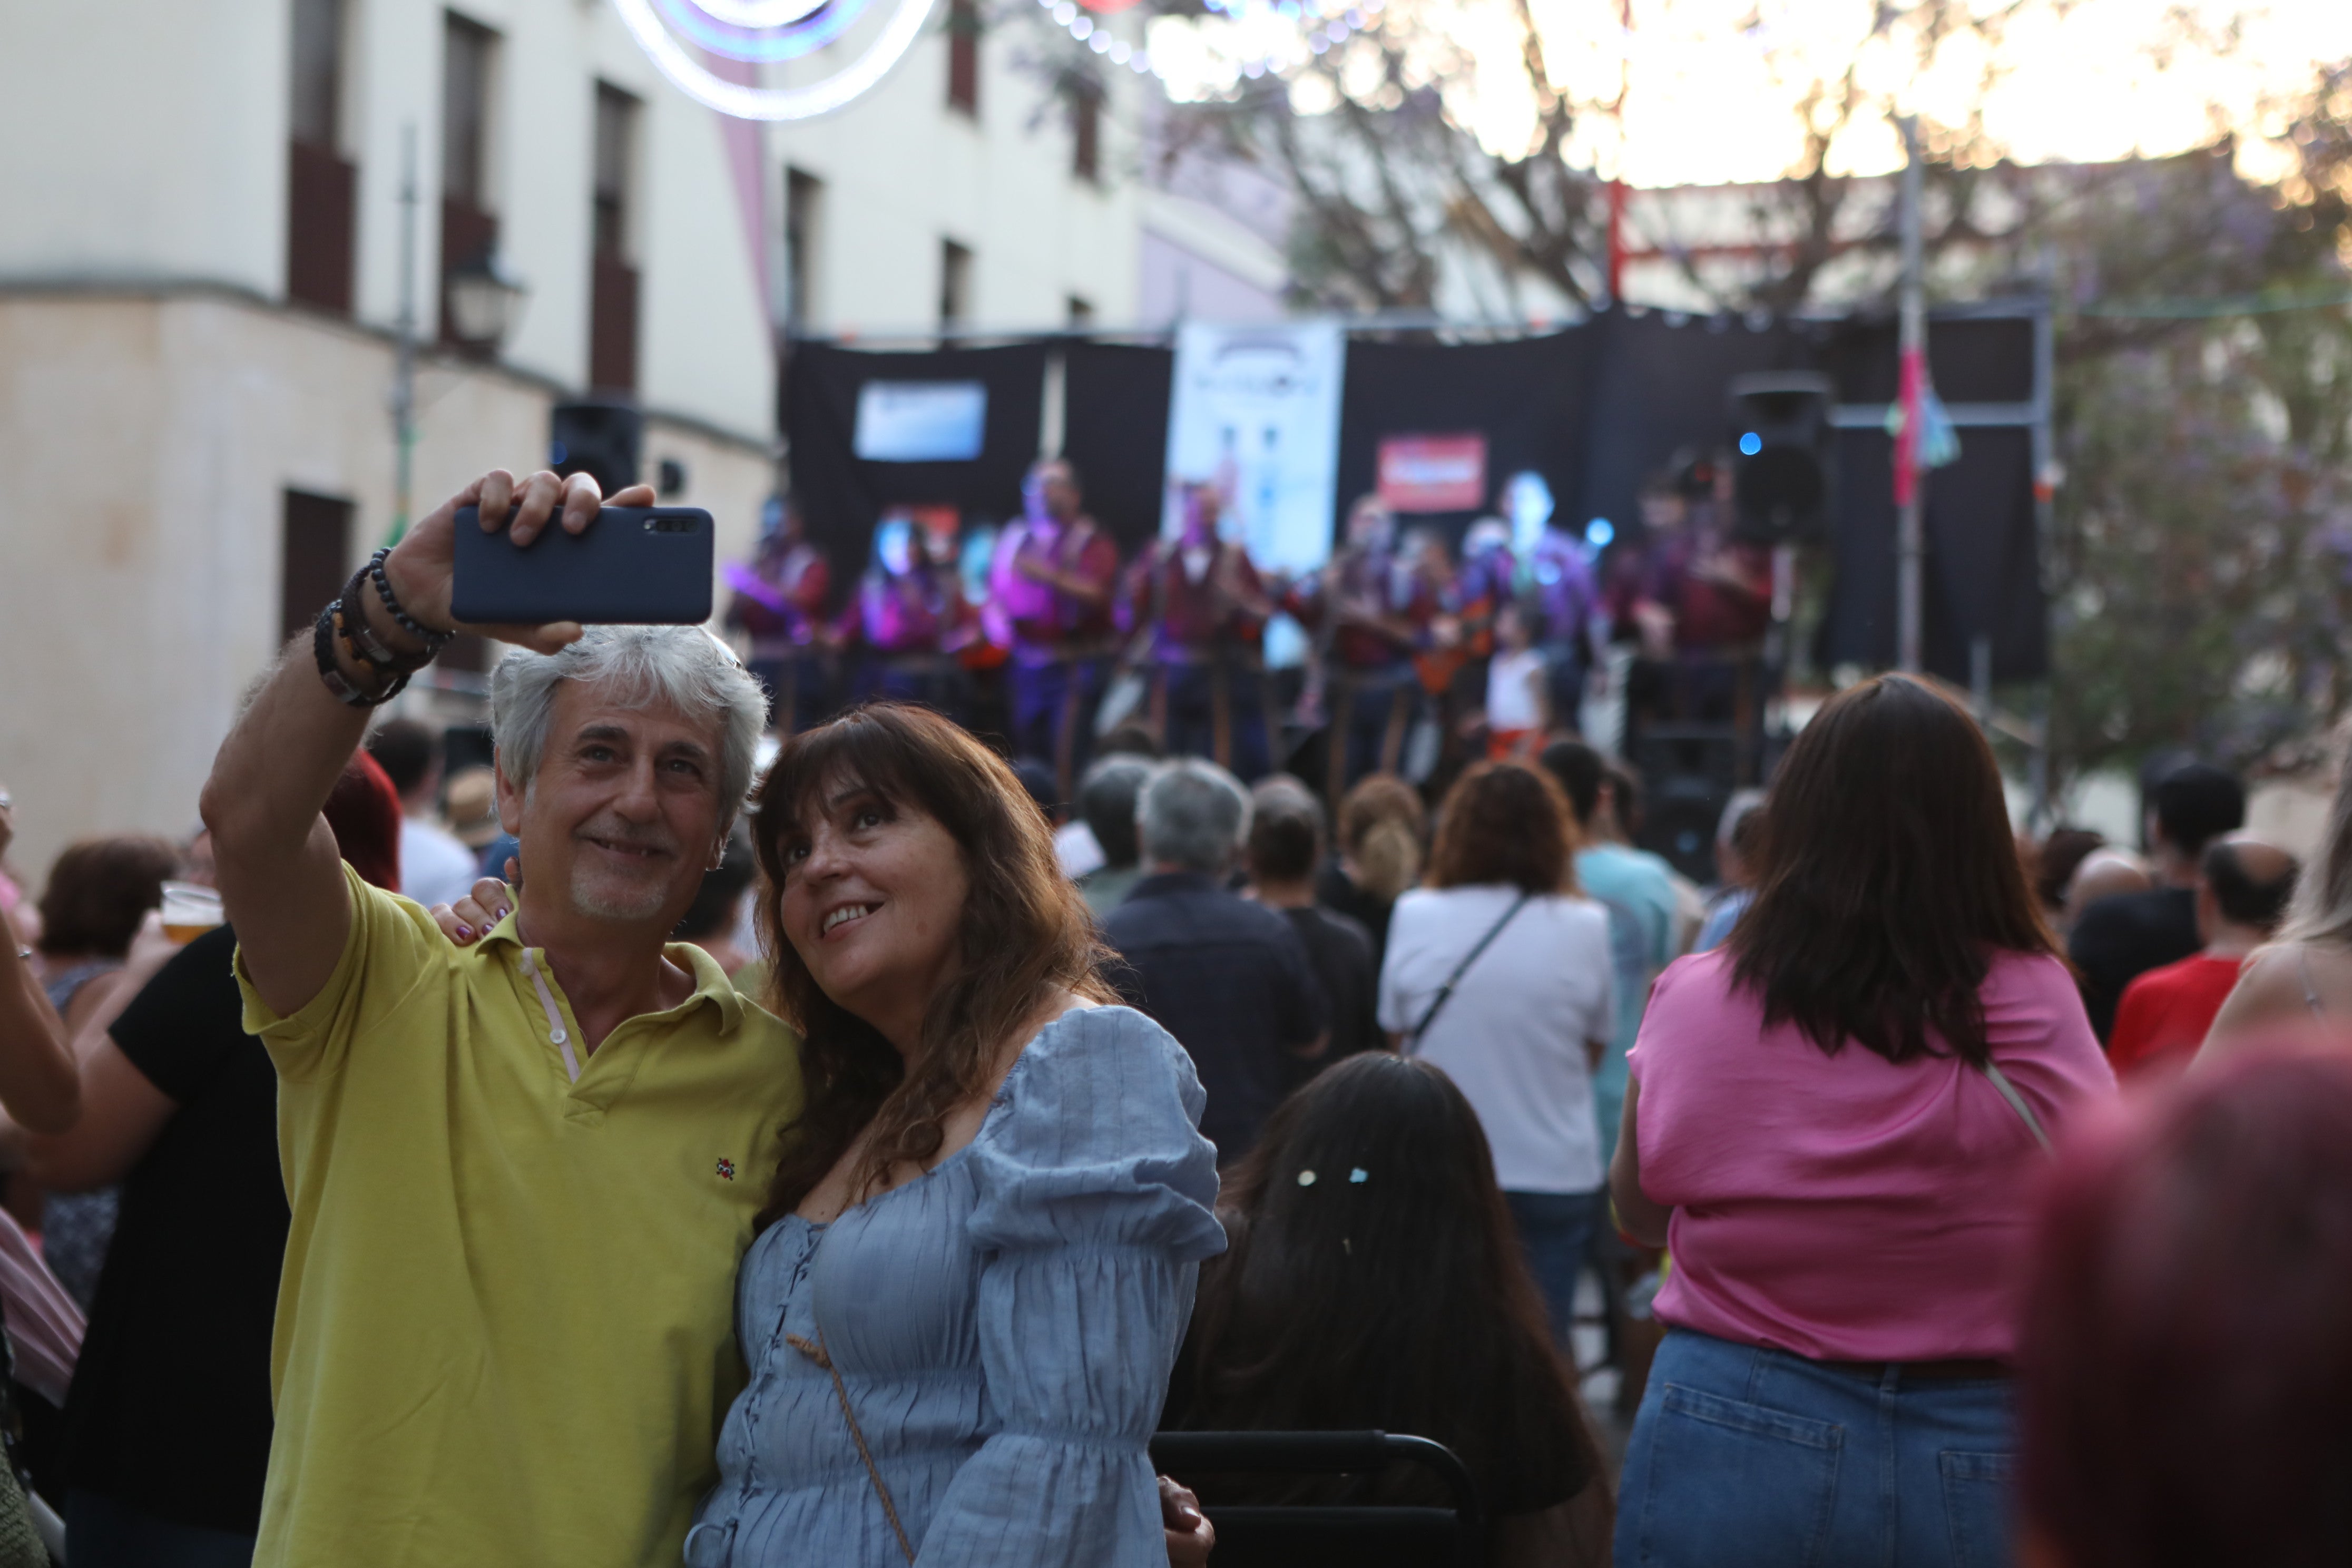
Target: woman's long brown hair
[1025, 934]
[1889, 879]
[1385, 1289]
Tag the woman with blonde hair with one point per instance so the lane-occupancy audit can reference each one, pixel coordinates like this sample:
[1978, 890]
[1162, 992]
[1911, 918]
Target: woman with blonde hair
[2302, 982]
[1378, 856]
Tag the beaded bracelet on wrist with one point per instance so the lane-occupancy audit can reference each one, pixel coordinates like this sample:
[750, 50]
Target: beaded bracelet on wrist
[433, 641]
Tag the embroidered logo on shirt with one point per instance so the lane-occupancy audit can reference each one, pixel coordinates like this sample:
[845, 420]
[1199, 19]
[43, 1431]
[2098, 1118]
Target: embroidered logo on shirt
[727, 1169]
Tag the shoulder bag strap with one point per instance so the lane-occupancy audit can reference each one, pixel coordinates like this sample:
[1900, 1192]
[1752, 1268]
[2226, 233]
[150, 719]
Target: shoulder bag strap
[2000, 1080]
[816, 1352]
[1446, 992]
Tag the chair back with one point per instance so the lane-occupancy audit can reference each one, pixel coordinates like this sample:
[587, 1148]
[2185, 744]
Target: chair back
[1320, 1535]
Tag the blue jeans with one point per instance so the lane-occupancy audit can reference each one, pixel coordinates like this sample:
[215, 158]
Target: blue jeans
[1765, 1458]
[1555, 1232]
[103, 1533]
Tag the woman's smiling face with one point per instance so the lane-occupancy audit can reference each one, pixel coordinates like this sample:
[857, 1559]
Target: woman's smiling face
[873, 902]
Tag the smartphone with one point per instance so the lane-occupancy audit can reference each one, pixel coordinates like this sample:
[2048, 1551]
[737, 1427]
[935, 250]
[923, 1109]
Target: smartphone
[634, 565]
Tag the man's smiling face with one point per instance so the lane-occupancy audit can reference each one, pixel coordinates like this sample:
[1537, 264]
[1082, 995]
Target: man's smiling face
[624, 813]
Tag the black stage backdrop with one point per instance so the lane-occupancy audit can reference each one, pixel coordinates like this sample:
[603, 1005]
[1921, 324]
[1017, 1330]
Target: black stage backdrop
[1596, 409]
[1659, 388]
[841, 495]
[1983, 561]
[1115, 429]
[1983, 569]
[1530, 399]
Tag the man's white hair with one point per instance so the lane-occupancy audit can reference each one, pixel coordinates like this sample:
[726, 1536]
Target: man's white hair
[635, 667]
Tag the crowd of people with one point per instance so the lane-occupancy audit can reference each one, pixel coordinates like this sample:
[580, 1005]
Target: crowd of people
[1418, 651]
[624, 1153]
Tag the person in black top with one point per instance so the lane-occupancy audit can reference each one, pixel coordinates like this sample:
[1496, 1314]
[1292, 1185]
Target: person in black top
[2119, 939]
[1285, 843]
[167, 1423]
[1231, 981]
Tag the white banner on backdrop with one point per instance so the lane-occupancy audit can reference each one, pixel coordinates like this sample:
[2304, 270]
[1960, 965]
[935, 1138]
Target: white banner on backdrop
[1256, 412]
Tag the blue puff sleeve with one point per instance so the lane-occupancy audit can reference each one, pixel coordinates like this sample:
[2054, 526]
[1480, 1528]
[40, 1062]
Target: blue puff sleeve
[1095, 1192]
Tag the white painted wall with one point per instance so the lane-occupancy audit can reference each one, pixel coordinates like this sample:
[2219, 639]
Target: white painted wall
[903, 171]
[133, 141]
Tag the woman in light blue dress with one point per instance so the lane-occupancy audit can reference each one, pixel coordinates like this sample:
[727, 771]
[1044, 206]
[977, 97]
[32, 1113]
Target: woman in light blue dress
[985, 1230]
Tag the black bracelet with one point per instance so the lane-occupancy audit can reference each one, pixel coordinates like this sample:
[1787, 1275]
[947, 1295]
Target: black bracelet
[322, 648]
[359, 641]
[433, 641]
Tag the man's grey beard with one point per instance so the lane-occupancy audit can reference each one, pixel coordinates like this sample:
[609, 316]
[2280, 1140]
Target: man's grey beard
[587, 901]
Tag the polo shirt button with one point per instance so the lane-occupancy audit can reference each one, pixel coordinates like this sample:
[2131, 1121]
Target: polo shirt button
[559, 1036]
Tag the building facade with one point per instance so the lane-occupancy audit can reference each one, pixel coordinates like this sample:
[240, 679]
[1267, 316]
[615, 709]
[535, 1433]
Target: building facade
[207, 255]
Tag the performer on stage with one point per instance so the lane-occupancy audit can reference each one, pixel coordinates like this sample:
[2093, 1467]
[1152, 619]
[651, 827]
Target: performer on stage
[1053, 579]
[779, 599]
[1364, 645]
[1447, 626]
[1566, 617]
[1697, 600]
[909, 620]
[1200, 608]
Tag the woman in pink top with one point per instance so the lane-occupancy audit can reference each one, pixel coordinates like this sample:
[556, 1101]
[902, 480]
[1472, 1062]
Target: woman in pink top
[1833, 1123]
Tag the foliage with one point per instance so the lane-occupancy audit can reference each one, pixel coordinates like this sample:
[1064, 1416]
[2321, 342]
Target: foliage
[1394, 184]
[2200, 557]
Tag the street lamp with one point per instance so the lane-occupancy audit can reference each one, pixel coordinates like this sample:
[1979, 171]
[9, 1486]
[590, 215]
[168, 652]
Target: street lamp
[485, 301]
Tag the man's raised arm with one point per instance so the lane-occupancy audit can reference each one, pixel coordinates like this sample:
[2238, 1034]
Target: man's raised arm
[280, 882]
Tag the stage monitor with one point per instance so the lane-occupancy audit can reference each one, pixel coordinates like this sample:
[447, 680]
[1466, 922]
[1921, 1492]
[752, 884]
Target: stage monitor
[600, 440]
[1782, 445]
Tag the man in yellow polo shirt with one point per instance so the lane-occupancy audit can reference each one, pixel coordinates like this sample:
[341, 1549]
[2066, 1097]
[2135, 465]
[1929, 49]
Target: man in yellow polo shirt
[522, 1173]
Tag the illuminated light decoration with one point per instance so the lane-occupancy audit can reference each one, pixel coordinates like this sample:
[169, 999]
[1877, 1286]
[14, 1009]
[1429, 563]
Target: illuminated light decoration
[758, 32]
[1751, 443]
[824, 23]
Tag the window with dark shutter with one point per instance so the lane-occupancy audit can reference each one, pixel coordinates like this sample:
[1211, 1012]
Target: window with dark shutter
[1086, 130]
[469, 232]
[321, 186]
[963, 56]
[955, 284]
[613, 303]
[316, 537]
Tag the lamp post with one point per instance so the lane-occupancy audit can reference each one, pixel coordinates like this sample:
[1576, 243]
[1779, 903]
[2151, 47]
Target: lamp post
[1910, 465]
[485, 301]
[404, 374]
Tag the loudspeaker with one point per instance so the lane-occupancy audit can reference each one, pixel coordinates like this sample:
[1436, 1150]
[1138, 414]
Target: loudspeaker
[1781, 441]
[1689, 774]
[600, 440]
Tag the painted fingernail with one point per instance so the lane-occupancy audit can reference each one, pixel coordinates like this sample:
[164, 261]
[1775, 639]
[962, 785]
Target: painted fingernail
[464, 930]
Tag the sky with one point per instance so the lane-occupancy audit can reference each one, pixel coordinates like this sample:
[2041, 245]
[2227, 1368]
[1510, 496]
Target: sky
[1707, 99]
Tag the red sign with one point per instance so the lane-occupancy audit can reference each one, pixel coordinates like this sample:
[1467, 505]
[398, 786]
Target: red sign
[1434, 473]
